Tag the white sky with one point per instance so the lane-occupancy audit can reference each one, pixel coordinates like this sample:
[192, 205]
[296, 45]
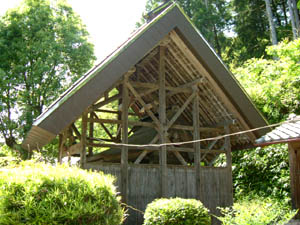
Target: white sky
[109, 22]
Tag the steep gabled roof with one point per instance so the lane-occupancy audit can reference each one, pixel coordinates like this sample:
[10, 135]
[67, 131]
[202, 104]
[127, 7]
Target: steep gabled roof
[87, 90]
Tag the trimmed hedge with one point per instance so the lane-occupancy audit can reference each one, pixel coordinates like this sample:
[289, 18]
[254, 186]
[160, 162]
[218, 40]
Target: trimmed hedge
[36, 193]
[176, 211]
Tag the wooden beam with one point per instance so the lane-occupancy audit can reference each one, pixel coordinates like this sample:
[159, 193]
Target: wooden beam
[111, 121]
[112, 112]
[148, 124]
[180, 111]
[181, 45]
[163, 121]
[228, 149]
[60, 148]
[124, 153]
[154, 85]
[156, 148]
[83, 140]
[145, 152]
[197, 155]
[150, 113]
[180, 158]
[77, 133]
[95, 119]
[211, 145]
[105, 102]
[91, 133]
[192, 83]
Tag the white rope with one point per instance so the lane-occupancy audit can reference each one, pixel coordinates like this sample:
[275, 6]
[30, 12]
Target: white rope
[205, 139]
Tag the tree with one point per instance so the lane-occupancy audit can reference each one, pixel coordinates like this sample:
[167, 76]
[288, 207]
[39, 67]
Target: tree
[43, 47]
[271, 23]
[294, 18]
[211, 17]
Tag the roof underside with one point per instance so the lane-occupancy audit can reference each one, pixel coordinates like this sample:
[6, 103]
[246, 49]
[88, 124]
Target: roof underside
[188, 58]
[287, 132]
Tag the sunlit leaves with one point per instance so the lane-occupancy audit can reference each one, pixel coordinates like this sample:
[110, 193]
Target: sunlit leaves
[274, 84]
[43, 47]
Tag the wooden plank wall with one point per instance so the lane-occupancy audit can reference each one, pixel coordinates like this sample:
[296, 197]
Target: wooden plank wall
[144, 185]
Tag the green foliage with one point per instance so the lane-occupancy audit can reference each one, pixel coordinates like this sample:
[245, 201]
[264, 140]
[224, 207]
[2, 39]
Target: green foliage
[273, 84]
[258, 211]
[263, 172]
[43, 47]
[211, 19]
[176, 211]
[36, 193]
[251, 29]
[9, 161]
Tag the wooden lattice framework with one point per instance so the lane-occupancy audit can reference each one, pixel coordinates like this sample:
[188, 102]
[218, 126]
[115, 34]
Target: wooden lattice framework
[148, 90]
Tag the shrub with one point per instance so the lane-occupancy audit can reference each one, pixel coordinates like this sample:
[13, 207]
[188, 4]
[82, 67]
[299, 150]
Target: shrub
[9, 161]
[257, 211]
[41, 194]
[176, 211]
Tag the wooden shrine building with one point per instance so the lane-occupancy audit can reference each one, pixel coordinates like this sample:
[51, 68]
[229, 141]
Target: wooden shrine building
[288, 132]
[165, 84]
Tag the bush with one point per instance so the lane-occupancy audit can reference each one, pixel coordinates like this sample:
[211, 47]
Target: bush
[176, 211]
[263, 172]
[257, 211]
[36, 193]
[9, 161]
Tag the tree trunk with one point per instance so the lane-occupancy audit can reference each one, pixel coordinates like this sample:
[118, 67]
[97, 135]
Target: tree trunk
[296, 14]
[293, 20]
[271, 23]
[284, 12]
[218, 47]
[13, 145]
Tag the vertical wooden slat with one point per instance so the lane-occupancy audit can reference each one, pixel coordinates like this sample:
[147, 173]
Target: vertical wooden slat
[83, 140]
[162, 120]
[91, 134]
[294, 161]
[124, 154]
[197, 157]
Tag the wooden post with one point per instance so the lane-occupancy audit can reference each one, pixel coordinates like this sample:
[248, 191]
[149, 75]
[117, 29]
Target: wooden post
[83, 139]
[124, 154]
[294, 161]
[60, 148]
[119, 115]
[197, 146]
[228, 149]
[229, 160]
[91, 133]
[162, 120]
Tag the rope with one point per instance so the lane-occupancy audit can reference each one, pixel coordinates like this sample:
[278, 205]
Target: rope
[207, 139]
